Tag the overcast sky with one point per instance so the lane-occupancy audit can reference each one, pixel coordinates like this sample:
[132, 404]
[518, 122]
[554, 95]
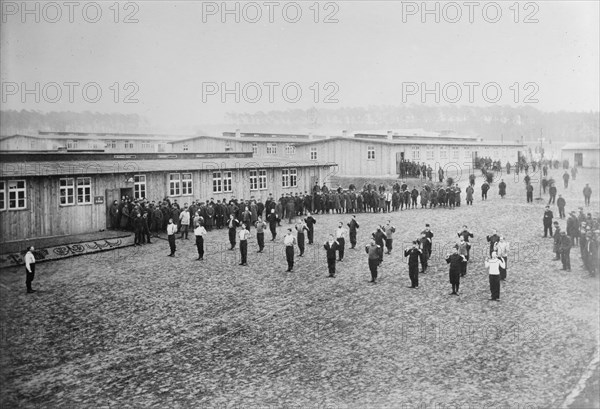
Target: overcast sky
[371, 53]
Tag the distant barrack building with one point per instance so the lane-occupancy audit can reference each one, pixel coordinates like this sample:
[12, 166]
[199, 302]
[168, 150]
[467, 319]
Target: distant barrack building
[361, 153]
[62, 193]
[582, 154]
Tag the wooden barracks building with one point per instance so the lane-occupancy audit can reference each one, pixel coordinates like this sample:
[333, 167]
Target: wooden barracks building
[365, 153]
[55, 194]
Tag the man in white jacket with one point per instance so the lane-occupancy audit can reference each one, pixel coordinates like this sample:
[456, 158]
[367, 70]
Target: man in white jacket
[494, 264]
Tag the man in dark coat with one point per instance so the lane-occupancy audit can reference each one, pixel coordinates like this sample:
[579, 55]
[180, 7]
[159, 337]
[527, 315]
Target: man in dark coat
[272, 219]
[561, 203]
[484, 189]
[502, 189]
[565, 245]
[310, 224]
[455, 260]
[331, 248]
[547, 220]
[352, 228]
[413, 255]
[552, 192]
[373, 251]
[493, 239]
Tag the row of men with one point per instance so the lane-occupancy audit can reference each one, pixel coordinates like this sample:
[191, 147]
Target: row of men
[580, 229]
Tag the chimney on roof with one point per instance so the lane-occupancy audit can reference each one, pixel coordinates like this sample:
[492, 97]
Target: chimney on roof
[390, 135]
[238, 134]
[344, 133]
[310, 135]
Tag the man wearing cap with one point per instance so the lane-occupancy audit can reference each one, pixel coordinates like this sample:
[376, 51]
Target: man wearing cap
[244, 235]
[547, 219]
[288, 241]
[502, 249]
[556, 247]
[494, 264]
[565, 250]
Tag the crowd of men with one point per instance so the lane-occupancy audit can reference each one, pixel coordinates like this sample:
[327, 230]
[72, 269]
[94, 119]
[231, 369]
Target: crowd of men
[581, 230]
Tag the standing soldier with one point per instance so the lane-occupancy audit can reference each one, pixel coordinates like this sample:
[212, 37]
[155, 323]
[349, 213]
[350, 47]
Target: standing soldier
[199, 232]
[547, 219]
[485, 186]
[171, 230]
[353, 226]
[469, 191]
[184, 221]
[529, 193]
[114, 215]
[456, 261]
[389, 231]
[340, 236]
[138, 229]
[288, 241]
[552, 192]
[232, 225]
[29, 269]
[494, 265]
[413, 255]
[310, 224]
[565, 250]
[587, 194]
[145, 229]
[331, 247]
[260, 233]
[502, 189]
[561, 203]
[429, 234]
[566, 179]
[244, 234]
[373, 251]
[556, 246]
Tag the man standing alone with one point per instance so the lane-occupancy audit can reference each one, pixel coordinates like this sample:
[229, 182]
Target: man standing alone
[29, 269]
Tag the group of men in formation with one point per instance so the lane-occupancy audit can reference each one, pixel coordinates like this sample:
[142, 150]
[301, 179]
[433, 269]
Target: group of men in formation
[581, 229]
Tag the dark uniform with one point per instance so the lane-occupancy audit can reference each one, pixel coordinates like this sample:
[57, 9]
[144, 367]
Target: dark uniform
[413, 255]
[331, 253]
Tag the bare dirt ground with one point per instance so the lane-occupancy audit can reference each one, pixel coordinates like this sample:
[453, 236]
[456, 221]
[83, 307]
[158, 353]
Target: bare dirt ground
[135, 328]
